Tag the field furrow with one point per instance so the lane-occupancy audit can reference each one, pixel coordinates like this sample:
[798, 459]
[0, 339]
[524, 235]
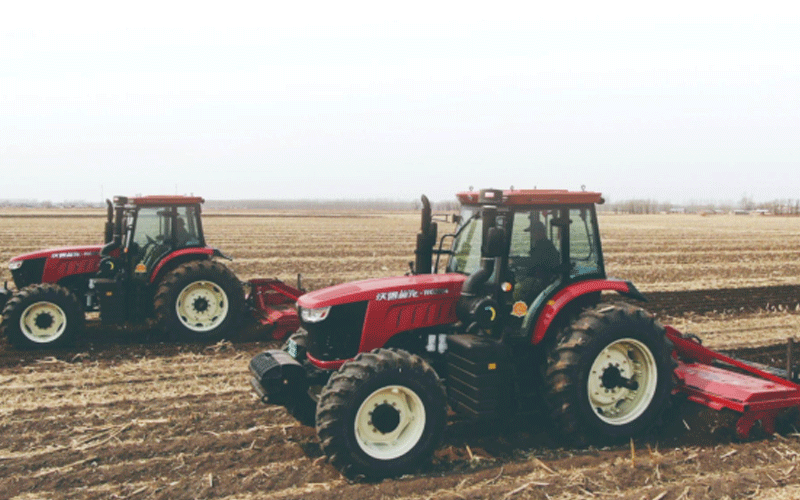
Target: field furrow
[122, 415]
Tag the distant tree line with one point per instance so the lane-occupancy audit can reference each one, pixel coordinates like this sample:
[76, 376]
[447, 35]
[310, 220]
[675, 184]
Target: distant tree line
[49, 204]
[745, 204]
[635, 206]
[318, 205]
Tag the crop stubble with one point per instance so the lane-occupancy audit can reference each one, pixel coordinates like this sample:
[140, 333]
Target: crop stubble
[143, 420]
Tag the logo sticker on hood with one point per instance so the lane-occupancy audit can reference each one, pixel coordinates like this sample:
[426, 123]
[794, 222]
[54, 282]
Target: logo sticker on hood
[410, 294]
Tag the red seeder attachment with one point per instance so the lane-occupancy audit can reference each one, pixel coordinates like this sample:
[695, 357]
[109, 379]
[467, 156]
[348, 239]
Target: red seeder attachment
[273, 304]
[718, 381]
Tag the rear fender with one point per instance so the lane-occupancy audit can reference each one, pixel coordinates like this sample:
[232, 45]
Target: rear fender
[179, 257]
[569, 294]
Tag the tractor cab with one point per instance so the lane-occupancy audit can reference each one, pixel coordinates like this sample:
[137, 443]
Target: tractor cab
[519, 248]
[146, 238]
[551, 238]
[151, 228]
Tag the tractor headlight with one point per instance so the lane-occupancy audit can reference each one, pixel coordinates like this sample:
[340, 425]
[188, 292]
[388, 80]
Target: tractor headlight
[314, 315]
[14, 265]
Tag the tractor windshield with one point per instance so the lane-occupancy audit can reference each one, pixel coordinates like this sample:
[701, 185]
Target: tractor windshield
[466, 257]
[535, 241]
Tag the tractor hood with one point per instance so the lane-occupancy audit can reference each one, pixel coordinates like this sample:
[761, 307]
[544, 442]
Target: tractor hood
[402, 288]
[360, 316]
[61, 253]
[54, 264]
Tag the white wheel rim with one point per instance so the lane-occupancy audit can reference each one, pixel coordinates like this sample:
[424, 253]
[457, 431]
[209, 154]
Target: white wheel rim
[202, 306]
[43, 322]
[390, 422]
[628, 359]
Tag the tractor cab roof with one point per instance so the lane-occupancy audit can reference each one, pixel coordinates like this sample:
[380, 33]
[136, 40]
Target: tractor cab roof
[530, 197]
[158, 200]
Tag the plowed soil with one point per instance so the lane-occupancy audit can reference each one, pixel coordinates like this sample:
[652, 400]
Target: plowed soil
[124, 415]
[151, 420]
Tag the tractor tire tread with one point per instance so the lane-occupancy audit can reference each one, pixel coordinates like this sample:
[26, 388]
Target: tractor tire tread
[49, 291]
[567, 357]
[169, 288]
[336, 404]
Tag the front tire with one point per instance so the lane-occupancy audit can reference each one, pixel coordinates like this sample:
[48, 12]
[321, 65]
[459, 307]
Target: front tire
[42, 316]
[199, 301]
[382, 414]
[609, 377]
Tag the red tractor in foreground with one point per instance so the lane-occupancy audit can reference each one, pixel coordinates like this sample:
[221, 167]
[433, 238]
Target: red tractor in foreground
[154, 264]
[516, 322]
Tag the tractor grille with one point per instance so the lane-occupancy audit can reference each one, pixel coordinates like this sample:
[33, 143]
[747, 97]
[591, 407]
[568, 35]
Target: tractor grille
[29, 273]
[339, 335]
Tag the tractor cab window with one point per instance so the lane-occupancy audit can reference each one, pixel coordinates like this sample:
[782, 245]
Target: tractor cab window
[534, 253]
[150, 233]
[187, 232]
[152, 224]
[523, 239]
[466, 257]
[583, 244]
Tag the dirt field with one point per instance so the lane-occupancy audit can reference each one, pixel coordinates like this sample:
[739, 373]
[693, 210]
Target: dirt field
[121, 415]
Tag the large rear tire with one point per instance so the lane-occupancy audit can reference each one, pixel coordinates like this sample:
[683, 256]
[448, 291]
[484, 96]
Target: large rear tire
[42, 316]
[382, 414]
[609, 376]
[199, 301]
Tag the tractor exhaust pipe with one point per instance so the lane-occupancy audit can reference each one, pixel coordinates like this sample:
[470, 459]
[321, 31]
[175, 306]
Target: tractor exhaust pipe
[426, 239]
[109, 229]
[115, 240]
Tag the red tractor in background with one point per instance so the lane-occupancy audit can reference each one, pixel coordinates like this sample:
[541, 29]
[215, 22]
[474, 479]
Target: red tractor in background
[154, 264]
[517, 322]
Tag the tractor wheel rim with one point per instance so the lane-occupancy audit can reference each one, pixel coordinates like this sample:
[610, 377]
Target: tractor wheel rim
[202, 306]
[43, 322]
[390, 422]
[626, 360]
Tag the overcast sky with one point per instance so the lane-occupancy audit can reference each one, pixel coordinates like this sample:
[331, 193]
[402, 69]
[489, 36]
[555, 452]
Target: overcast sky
[673, 101]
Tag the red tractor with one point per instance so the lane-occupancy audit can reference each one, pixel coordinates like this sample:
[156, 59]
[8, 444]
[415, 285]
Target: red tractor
[154, 264]
[517, 322]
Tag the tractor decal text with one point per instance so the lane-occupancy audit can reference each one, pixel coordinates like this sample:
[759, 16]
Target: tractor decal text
[410, 294]
[399, 295]
[72, 255]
